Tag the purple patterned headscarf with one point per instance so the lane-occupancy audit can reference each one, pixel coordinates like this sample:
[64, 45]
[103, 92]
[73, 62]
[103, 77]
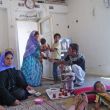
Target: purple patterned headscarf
[2, 62]
[32, 43]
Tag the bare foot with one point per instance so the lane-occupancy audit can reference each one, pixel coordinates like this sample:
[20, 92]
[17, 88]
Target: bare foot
[83, 102]
[16, 102]
[77, 99]
[80, 102]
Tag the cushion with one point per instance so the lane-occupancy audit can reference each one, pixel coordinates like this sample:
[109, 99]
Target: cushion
[89, 91]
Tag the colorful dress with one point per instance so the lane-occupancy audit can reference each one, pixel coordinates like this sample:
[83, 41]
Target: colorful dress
[32, 67]
[104, 98]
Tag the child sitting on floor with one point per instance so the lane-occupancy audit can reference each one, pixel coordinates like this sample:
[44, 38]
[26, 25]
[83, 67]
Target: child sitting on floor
[67, 77]
[101, 95]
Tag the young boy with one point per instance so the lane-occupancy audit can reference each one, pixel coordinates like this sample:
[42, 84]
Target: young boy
[101, 95]
[77, 63]
[56, 55]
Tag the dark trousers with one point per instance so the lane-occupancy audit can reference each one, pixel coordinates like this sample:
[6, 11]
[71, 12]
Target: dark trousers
[20, 94]
[55, 71]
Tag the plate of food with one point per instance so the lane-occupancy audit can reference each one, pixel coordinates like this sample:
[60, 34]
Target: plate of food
[58, 93]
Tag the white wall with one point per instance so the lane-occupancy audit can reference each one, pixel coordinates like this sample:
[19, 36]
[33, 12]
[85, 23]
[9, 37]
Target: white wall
[3, 29]
[92, 33]
[60, 24]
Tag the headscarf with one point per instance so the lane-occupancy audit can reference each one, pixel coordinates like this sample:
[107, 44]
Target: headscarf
[2, 62]
[32, 44]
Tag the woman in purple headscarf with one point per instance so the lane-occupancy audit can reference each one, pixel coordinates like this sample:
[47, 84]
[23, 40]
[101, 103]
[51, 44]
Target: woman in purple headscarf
[32, 67]
[3, 66]
[13, 86]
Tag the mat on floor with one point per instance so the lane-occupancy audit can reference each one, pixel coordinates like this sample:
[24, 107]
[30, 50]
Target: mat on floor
[30, 105]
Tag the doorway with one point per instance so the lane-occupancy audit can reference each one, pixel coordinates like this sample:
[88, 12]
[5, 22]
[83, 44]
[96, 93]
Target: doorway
[46, 30]
[24, 29]
[44, 26]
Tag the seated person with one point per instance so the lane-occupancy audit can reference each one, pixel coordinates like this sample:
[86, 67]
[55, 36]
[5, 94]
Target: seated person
[13, 87]
[77, 63]
[68, 82]
[101, 95]
[67, 78]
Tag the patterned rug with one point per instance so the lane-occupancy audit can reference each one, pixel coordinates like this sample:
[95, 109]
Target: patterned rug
[30, 105]
[63, 104]
[47, 105]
